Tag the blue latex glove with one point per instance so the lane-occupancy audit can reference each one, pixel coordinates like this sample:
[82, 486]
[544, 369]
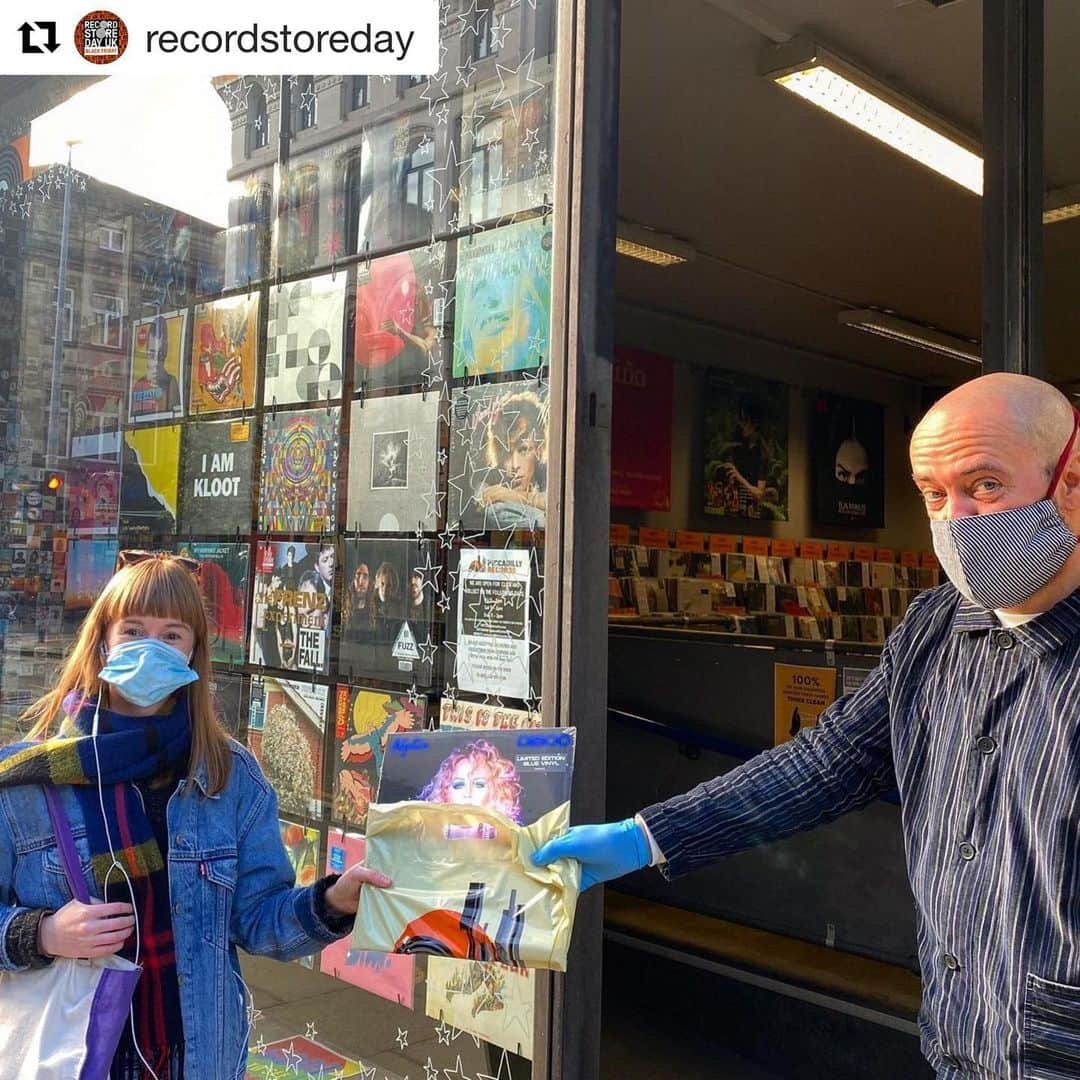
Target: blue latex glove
[604, 851]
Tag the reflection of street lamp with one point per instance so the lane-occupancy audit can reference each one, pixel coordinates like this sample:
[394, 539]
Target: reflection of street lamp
[52, 450]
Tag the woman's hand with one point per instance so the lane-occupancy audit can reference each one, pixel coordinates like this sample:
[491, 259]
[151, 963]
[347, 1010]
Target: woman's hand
[81, 931]
[343, 896]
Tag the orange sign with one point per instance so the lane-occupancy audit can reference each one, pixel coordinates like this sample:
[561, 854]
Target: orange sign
[660, 538]
[690, 541]
[909, 558]
[884, 555]
[864, 552]
[839, 552]
[755, 545]
[812, 549]
[619, 535]
[783, 549]
[723, 544]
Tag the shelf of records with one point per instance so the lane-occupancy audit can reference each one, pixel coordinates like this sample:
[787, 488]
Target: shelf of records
[810, 599]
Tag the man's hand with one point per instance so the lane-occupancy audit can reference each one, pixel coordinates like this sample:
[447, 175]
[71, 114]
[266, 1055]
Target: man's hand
[604, 851]
[343, 897]
[82, 931]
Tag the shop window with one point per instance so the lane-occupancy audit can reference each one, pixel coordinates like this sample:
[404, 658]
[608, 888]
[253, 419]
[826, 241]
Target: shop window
[112, 239]
[359, 91]
[484, 41]
[487, 171]
[258, 121]
[418, 185]
[108, 320]
[299, 221]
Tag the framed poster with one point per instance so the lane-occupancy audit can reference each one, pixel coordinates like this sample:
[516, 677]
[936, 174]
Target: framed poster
[388, 602]
[286, 722]
[216, 495]
[746, 447]
[298, 492]
[158, 349]
[93, 498]
[642, 398]
[223, 582]
[401, 303]
[498, 456]
[304, 336]
[363, 721]
[149, 481]
[292, 605]
[494, 623]
[847, 450]
[224, 356]
[502, 314]
[393, 464]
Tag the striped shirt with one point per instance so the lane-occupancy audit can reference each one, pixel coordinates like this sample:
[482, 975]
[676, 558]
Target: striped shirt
[976, 725]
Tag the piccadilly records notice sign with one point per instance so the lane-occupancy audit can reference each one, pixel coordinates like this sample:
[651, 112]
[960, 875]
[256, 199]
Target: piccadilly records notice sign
[493, 623]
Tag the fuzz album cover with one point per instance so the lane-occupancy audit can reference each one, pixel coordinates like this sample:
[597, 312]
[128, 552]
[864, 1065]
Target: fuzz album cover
[159, 345]
[304, 332]
[498, 456]
[503, 299]
[458, 816]
[393, 464]
[363, 722]
[292, 605]
[224, 354]
[148, 484]
[298, 492]
[388, 602]
[286, 722]
[401, 303]
[223, 582]
[216, 491]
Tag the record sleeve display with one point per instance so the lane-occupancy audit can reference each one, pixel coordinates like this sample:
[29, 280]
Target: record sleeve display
[223, 582]
[216, 494]
[387, 611]
[158, 349]
[847, 440]
[390, 977]
[90, 564]
[401, 302]
[498, 456]
[227, 697]
[224, 355]
[363, 721]
[458, 818]
[304, 332]
[286, 723]
[393, 465]
[503, 299]
[298, 489]
[93, 498]
[292, 606]
[148, 486]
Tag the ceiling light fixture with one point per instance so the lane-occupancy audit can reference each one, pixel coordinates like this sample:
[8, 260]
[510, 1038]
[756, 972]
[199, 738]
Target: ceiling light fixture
[824, 79]
[640, 242]
[886, 325]
[1061, 204]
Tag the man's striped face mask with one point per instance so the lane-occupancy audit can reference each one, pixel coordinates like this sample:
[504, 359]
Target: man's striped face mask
[1001, 560]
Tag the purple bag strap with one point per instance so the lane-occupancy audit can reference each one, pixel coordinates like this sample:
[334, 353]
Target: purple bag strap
[66, 842]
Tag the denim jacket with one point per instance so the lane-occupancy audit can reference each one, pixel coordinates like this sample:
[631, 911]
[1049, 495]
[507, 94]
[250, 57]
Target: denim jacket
[230, 883]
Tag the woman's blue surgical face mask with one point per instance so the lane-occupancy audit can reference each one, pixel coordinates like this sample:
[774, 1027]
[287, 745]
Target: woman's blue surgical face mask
[147, 671]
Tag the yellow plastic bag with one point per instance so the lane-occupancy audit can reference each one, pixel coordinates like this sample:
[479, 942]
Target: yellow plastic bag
[465, 886]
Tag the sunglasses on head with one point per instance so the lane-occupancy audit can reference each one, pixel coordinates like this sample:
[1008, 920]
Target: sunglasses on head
[134, 556]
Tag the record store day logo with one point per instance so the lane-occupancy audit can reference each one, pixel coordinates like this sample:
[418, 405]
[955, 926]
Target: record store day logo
[101, 37]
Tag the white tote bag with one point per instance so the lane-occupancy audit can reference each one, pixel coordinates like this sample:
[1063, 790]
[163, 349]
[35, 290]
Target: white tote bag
[63, 1022]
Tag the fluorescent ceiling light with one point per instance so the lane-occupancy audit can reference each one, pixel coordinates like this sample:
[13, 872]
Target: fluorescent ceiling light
[1062, 204]
[805, 68]
[648, 245]
[885, 325]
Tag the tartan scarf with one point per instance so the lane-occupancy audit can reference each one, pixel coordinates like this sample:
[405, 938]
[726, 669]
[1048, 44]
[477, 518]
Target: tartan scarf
[129, 749]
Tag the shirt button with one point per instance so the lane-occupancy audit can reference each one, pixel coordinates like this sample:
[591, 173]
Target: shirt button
[1003, 639]
[178, 908]
[180, 840]
[951, 962]
[967, 851]
[985, 744]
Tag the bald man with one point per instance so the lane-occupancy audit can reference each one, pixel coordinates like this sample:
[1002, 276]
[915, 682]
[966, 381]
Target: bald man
[974, 715]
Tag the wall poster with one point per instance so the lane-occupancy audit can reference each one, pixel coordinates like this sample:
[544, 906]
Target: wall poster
[746, 447]
[292, 606]
[847, 448]
[158, 349]
[800, 695]
[641, 419]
